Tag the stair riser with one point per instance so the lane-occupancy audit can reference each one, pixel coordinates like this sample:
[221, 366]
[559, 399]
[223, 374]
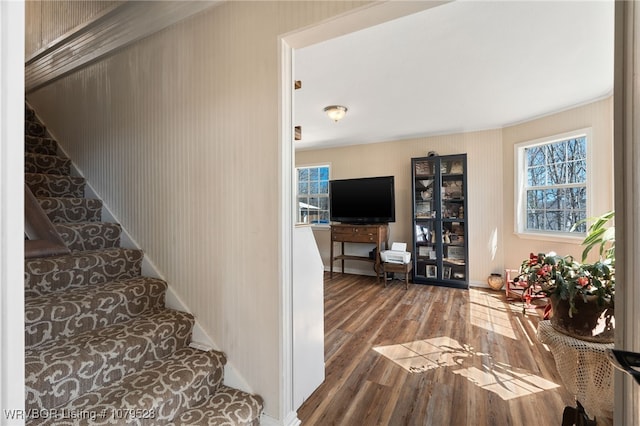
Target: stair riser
[90, 236]
[33, 128]
[50, 164]
[227, 407]
[38, 145]
[66, 314]
[71, 210]
[57, 373]
[163, 390]
[46, 275]
[202, 374]
[45, 185]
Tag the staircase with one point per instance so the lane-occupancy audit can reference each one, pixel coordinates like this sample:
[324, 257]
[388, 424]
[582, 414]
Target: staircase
[101, 347]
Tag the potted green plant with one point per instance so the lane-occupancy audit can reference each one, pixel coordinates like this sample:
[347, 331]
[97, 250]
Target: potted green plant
[581, 293]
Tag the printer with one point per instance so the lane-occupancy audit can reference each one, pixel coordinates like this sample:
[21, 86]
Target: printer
[397, 254]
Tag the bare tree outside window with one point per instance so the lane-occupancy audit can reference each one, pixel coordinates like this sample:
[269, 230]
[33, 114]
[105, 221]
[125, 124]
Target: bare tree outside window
[313, 194]
[556, 185]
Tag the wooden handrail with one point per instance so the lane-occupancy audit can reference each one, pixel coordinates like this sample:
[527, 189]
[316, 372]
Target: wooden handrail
[43, 239]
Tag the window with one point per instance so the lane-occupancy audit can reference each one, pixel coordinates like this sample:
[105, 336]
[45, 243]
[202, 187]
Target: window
[313, 194]
[552, 190]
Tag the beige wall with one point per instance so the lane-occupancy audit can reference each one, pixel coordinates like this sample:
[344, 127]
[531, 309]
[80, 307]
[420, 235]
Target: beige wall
[485, 209]
[179, 134]
[490, 213]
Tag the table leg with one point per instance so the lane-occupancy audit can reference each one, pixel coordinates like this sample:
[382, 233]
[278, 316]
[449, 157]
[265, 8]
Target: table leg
[331, 260]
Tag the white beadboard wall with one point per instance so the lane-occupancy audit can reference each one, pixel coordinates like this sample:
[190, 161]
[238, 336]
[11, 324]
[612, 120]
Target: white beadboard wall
[179, 134]
[490, 213]
[485, 208]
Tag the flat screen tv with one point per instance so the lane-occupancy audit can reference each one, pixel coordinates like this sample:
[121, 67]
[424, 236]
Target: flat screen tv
[362, 200]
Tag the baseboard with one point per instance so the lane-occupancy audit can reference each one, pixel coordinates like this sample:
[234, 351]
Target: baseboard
[355, 271]
[290, 420]
[478, 284]
[371, 273]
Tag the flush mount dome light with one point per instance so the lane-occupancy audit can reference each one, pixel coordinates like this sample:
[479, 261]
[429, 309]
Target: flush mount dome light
[335, 112]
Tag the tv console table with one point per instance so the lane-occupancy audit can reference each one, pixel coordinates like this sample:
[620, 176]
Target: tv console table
[377, 234]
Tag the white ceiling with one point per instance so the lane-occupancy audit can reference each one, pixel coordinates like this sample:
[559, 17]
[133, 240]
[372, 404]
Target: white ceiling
[459, 67]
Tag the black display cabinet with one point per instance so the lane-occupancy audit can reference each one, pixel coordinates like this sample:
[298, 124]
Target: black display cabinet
[440, 234]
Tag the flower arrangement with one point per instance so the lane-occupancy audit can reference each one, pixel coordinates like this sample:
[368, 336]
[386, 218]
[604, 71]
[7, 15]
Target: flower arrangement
[567, 278]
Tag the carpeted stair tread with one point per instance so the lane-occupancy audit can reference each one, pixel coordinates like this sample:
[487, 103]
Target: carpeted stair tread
[71, 312]
[71, 210]
[49, 185]
[50, 274]
[86, 236]
[60, 371]
[228, 406]
[49, 164]
[153, 396]
[40, 145]
[34, 128]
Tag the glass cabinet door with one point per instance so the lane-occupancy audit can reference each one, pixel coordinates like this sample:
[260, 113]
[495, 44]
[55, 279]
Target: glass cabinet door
[452, 191]
[425, 206]
[426, 249]
[454, 251]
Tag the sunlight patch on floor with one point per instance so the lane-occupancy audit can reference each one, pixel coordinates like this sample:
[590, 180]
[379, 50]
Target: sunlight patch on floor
[489, 312]
[423, 355]
[505, 383]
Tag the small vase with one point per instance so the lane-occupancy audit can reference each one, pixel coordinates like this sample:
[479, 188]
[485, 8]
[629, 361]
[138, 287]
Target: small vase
[592, 323]
[495, 281]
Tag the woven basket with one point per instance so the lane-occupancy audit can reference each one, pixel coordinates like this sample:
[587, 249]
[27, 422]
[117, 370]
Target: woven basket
[495, 281]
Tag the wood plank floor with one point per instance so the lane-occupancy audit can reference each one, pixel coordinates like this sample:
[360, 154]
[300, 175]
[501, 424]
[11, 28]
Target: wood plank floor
[443, 357]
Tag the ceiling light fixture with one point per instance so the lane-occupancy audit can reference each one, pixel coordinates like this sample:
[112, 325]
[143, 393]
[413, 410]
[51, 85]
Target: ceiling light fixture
[336, 112]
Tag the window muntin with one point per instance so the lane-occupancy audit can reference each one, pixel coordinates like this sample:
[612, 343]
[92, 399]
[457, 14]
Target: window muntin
[313, 194]
[553, 185]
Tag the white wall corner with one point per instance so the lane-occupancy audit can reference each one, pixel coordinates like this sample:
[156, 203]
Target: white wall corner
[12, 30]
[286, 225]
[627, 186]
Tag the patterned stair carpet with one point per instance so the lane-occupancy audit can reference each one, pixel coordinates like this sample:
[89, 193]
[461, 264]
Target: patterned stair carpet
[101, 347]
